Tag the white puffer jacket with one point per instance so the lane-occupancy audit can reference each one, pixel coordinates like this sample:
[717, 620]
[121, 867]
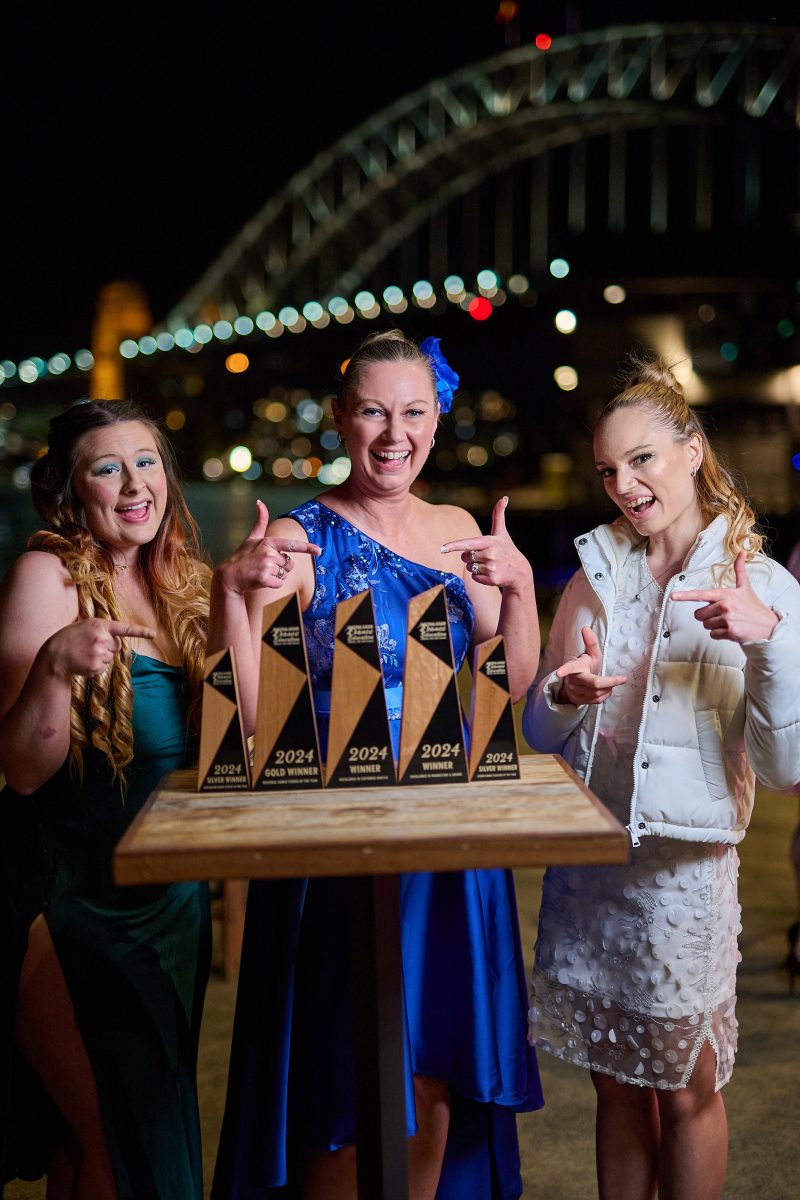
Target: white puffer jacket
[710, 706]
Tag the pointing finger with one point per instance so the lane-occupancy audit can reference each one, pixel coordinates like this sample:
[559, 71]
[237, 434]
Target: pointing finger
[476, 543]
[740, 570]
[590, 641]
[708, 596]
[121, 629]
[292, 546]
[262, 521]
[499, 516]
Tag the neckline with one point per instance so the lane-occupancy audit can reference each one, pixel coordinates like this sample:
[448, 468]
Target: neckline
[388, 549]
[160, 661]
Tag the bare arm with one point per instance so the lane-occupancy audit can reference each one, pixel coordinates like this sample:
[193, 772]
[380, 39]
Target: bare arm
[274, 559]
[500, 585]
[42, 645]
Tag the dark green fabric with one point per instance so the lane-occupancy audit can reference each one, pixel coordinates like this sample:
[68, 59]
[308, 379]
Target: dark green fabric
[135, 959]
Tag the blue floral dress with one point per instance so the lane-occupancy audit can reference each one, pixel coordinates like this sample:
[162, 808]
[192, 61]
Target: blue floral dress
[291, 1077]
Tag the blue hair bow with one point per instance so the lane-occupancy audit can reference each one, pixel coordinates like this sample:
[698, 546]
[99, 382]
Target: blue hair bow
[443, 374]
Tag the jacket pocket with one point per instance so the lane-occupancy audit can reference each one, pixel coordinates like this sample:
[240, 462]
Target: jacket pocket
[712, 759]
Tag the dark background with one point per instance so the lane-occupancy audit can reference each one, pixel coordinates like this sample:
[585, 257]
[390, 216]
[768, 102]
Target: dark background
[139, 138]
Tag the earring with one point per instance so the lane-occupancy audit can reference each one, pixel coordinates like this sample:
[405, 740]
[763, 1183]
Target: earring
[694, 472]
[433, 442]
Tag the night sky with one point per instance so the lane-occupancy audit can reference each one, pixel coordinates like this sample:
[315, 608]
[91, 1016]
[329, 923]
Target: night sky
[139, 138]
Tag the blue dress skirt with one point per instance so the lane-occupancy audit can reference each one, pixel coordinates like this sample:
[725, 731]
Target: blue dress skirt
[291, 1084]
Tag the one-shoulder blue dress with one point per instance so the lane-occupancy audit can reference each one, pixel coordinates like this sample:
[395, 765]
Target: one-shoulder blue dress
[291, 1076]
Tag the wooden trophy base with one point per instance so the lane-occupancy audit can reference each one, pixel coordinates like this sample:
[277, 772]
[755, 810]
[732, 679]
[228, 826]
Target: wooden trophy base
[431, 733]
[223, 760]
[359, 742]
[286, 750]
[493, 739]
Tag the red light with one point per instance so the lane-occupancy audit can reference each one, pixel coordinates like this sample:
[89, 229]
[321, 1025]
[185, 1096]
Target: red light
[543, 41]
[479, 308]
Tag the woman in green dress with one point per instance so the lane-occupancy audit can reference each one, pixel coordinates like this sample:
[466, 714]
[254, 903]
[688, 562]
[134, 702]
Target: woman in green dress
[102, 642]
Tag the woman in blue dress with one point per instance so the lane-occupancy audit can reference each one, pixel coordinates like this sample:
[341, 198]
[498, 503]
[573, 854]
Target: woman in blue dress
[289, 1127]
[102, 643]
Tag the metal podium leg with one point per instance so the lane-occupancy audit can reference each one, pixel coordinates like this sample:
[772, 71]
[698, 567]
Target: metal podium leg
[378, 1039]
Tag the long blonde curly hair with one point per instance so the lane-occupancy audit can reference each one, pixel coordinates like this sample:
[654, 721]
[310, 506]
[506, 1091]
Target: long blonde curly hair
[649, 383]
[173, 569]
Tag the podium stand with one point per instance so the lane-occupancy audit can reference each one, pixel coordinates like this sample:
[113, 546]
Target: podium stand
[548, 816]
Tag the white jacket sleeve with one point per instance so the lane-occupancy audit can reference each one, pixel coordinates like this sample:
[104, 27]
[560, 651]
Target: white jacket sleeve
[545, 723]
[772, 696]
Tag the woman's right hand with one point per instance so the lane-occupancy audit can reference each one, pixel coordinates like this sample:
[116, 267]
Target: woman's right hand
[261, 561]
[87, 647]
[581, 682]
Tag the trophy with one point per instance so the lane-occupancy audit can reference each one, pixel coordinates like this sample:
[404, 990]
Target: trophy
[286, 750]
[493, 740]
[223, 754]
[359, 742]
[431, 733]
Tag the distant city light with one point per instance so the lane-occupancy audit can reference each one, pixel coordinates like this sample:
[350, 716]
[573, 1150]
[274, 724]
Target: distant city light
[566, 378]
[479, 308]
[706, 313]
[213, 468]
[237, 363]
[729, 351]
[559, 268]
[240, 458]
[543, 41]
[453, 286]
[566, 321]
[487, 280]
[614, 294]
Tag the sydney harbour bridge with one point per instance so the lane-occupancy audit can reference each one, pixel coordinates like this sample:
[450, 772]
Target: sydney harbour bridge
[542, 211]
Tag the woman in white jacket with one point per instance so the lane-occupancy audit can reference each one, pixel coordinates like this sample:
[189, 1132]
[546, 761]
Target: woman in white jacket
[671, 674]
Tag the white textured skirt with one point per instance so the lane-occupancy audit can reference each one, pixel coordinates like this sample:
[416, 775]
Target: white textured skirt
[635, 966]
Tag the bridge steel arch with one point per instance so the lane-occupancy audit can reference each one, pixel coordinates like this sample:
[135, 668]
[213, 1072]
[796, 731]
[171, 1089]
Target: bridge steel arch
[339, 219]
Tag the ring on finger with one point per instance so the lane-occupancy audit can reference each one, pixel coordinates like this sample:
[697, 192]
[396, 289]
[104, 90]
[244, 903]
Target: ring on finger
[286, 558]
[281, 571]
[475, 568]
[472, 556]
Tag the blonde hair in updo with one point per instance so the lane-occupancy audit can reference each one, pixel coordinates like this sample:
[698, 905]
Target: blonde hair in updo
[390, 345]
[173, 572]
[650, 384]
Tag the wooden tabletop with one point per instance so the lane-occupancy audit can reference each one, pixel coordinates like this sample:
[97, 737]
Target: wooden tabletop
[547, 817]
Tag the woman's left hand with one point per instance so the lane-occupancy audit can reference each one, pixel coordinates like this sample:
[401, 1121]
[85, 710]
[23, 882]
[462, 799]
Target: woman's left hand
[494, 559]
[735, 614]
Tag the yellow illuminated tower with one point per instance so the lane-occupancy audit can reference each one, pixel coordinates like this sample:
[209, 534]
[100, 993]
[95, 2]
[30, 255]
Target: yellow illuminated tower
[122, 312]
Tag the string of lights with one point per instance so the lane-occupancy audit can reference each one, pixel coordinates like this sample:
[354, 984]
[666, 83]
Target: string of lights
[488, 294]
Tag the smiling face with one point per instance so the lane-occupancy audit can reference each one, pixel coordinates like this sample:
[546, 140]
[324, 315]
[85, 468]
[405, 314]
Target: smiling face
[648, 474]
[388, 421]
[119, 479]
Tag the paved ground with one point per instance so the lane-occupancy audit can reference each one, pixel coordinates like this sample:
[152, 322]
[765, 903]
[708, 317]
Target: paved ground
[763, 1099]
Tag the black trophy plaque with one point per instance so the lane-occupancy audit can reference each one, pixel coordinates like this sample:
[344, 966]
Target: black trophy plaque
[359, 742]
[286, 751]
[431, 733]
[493, 739]
[223, 756]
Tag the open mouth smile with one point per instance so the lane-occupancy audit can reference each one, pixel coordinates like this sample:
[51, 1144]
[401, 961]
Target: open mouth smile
[135, 513]
[390, 456]
[639, 506]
